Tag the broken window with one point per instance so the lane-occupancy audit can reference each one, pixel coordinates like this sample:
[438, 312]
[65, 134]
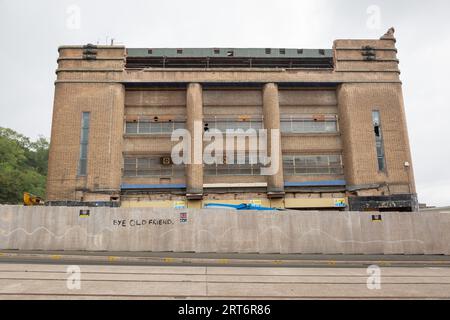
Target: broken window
[379, 141]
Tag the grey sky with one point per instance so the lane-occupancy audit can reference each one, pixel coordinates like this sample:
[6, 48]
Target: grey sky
[31, 31]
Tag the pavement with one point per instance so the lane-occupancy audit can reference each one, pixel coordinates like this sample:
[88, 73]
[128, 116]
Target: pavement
[124, 275]
[50, 281]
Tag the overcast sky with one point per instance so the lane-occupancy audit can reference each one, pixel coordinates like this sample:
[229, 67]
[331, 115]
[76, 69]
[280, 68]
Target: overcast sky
[31, 31]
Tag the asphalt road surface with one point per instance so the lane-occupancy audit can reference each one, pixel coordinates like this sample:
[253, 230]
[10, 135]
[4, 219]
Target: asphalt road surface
[55, 277]
[220, 259]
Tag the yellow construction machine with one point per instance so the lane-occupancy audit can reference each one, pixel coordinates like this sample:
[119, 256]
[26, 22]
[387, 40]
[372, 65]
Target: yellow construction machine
[32, 200]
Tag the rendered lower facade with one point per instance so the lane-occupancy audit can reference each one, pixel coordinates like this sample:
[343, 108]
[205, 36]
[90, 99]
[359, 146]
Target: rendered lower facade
[340, 113]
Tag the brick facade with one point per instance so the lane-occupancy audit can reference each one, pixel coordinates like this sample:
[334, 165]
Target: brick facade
[364, 78]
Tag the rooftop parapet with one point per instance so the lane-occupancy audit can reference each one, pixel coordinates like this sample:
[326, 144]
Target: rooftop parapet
[229, 58]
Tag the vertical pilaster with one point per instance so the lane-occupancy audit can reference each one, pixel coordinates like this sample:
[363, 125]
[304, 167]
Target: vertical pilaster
[271, 112]
[194, 170]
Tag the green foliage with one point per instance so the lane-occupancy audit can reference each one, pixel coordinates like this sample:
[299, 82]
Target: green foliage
[23, 166]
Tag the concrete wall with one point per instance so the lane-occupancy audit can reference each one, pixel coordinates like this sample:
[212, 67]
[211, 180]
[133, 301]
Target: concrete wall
[213, 230]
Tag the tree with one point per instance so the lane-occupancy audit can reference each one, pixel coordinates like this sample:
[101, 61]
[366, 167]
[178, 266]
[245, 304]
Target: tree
[23, 166]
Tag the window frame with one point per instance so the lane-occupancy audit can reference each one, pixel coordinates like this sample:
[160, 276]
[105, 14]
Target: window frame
[307, 122]
[153, 165]
[254, 122]
[82, 168]
[379, 141]
[234, 169]
[166, 127]
[309, 165]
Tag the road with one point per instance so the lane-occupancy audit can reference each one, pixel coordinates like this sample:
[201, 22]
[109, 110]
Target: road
[47, 278]
[220, 259]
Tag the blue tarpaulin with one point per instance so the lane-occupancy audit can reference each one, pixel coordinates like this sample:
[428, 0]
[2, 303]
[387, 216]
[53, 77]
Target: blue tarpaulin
[242, 206]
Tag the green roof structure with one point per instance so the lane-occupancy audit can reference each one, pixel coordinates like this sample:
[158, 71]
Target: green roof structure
[229, 52]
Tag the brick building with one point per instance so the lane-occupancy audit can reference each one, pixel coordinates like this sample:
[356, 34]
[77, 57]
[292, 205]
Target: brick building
[340, 111]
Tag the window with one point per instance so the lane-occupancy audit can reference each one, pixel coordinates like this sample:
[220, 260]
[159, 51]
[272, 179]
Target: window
[299, 51]
[282, 51]
[234, 169]
[301, 165]
[153, 127]
[82, 164]
[230, 53]
[179, 51]
[150, 51]
[233, 124]
[309, 124]
[151, 166]
[268, 51]
[132, 127]
[379, 141]
[216, 51]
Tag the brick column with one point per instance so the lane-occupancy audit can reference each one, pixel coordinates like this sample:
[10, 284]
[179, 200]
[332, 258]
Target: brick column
[194, 170]
[104, 98]
[271, 112]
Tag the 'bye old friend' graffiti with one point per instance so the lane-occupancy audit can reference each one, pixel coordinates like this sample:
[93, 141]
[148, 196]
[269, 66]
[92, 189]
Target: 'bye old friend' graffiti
[148, 222]
[141, 223]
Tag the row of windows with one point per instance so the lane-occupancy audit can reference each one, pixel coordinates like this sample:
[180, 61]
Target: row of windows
[308, 126]
[151, 167]
[232, 170]
[287, 125]
[312, 165]
[293, 166]
[148, 127]
[251, 167]
[224, 124]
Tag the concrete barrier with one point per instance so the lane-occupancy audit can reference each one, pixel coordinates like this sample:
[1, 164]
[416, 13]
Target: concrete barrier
[222, 231]
[305, 234]
[427, 228]
[444, 233]
[354, 227]
[372, 232]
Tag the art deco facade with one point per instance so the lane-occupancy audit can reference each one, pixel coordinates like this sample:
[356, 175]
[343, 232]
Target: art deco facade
[344, 141]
